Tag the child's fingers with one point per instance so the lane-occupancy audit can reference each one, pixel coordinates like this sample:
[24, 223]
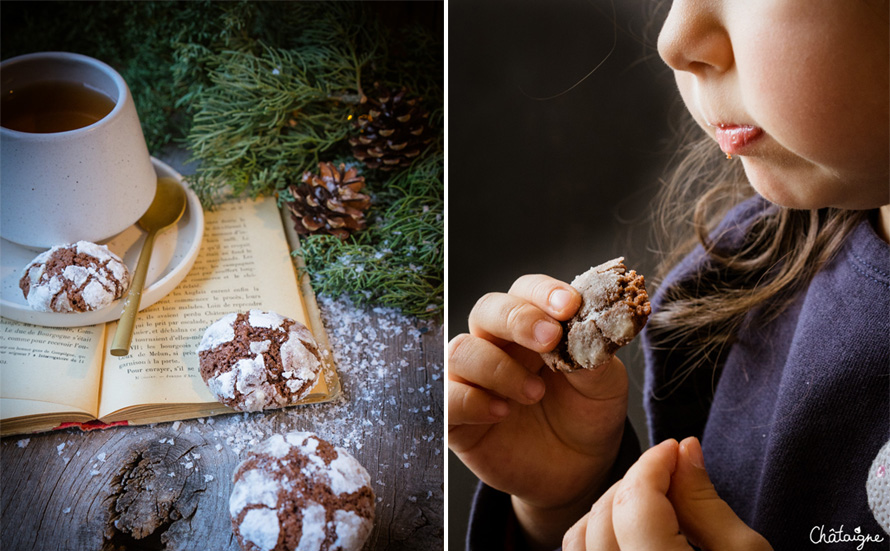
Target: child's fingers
[557, 298]
[573, 540]
[480, 363]
[503, 318]
[642, 515]
[707, 520]
[468, 405]
[600, 535]
[605, 382]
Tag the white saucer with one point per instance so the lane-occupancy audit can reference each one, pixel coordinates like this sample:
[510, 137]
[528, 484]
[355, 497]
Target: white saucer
[174, 254]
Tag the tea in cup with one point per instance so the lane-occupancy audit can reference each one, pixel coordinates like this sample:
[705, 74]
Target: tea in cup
[73, 160]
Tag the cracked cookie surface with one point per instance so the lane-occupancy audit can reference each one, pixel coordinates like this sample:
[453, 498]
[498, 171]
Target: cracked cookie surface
[297, 491]
[77, 277]
[259, 360]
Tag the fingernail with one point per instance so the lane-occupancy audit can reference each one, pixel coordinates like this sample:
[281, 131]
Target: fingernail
[693, 450]
[546, 332]
[499, 408]
[533, 388]
[560, 298]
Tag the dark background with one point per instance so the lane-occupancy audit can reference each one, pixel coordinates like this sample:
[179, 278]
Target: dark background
[550, 185]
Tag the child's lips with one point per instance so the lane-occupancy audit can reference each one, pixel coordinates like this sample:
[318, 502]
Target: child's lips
[734, 138]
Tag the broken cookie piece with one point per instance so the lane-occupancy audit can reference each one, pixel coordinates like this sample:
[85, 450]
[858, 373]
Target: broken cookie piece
[614, 309]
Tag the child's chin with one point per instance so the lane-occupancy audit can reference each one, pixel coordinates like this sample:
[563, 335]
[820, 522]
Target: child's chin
[780, 191]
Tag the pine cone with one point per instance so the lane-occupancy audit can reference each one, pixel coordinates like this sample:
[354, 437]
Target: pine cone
[329, 202]
[393, 129]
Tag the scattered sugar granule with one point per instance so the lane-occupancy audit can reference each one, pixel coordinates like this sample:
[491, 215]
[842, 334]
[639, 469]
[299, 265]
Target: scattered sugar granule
[94, 473]
[176, 425]
[60, 447]
[23, 442]
[101, 457]
[208, 477]
[218, 447]
[66, 510]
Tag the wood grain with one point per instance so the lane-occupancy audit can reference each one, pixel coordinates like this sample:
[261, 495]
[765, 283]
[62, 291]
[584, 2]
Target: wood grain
[167, 486]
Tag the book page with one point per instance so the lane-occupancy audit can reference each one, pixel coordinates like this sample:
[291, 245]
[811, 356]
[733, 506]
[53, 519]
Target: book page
[49, 369]
[244, 263]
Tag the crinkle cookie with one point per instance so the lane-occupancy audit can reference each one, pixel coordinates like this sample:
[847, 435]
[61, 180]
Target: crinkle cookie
[614, 309]
[297, 491]
[78, 277]
[258, 360]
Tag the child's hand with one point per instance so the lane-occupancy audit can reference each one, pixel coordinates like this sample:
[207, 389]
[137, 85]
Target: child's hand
[664, 501]
[547, 438]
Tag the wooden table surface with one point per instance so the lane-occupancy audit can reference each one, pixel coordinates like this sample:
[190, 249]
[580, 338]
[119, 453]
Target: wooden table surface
[167, 486]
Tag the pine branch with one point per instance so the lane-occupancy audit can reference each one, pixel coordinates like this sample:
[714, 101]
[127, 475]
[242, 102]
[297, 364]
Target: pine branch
[398, 260]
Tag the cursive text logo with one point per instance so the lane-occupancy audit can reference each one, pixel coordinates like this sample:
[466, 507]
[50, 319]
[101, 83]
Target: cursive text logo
[820, 535]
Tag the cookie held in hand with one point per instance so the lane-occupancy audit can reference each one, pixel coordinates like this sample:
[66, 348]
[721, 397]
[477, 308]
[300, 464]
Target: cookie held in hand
[259, 360]
[297, 491]
[614, 309]
[78, 277]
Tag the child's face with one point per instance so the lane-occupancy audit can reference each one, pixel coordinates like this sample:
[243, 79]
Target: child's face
[797, 89]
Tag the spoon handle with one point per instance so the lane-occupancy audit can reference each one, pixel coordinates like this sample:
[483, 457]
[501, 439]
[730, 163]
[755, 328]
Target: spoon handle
[120, 346]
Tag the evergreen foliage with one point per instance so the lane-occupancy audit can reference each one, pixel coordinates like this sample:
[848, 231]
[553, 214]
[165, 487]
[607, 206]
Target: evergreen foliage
[259, 92]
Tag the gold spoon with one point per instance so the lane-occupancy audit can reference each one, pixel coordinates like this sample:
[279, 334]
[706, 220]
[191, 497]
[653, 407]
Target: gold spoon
[165, 210]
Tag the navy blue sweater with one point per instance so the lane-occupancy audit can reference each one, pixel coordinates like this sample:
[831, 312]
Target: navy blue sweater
[793, 415]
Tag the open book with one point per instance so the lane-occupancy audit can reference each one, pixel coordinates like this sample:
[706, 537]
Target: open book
[53, 377]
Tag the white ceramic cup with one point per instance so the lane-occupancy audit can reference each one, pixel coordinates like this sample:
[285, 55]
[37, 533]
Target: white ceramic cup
[89, 183]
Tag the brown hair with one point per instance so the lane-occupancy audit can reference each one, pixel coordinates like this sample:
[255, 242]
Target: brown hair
[779, 253]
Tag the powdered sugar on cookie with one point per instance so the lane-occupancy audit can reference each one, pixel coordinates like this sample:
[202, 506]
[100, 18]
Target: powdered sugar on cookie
[77, 277]
[322, 496]
[259, 360]
[614, 308]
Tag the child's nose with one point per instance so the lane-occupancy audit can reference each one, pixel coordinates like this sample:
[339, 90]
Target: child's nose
[694, 38]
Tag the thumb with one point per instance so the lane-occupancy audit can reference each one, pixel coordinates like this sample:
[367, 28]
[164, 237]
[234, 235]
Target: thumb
[705, 519]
